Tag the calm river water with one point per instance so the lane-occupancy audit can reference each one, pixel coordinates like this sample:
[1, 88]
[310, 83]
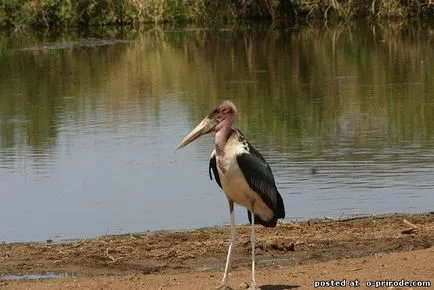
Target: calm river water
[89, 123]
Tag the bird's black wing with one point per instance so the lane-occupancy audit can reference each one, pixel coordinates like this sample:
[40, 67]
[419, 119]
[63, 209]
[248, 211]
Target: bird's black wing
[260, 178]
[213, 166]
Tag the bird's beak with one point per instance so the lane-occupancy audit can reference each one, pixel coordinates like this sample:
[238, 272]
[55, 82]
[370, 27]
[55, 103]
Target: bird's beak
[203, 128]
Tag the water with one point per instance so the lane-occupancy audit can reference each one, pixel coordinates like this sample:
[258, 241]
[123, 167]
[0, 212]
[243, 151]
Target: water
[34, 276]
[89, 123]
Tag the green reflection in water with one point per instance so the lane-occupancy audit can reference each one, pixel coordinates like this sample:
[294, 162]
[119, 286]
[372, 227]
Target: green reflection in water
[311, 89]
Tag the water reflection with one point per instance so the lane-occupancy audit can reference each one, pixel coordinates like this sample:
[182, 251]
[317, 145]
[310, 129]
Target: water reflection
[88, 125]
[35, 276]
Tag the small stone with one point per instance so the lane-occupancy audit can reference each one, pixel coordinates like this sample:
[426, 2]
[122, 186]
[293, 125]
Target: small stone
[244, 285]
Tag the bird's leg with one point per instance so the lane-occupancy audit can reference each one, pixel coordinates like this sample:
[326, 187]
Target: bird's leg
[253, 240]
[224, 284]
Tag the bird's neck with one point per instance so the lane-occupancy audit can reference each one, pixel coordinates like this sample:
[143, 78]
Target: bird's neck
[221, 138]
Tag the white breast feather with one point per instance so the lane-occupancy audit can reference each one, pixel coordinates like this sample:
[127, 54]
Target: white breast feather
[229, 161]
[233, 182]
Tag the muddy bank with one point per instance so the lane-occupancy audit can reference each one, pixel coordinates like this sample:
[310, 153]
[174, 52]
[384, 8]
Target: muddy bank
[410, 266]
[204, 250]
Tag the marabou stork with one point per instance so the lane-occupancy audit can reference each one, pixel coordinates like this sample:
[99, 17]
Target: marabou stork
[243, 174]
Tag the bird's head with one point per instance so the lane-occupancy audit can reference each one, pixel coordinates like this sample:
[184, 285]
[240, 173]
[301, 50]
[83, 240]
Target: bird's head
[222, 116]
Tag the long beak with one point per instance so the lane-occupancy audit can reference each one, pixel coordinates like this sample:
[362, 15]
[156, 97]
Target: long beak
[204, 127]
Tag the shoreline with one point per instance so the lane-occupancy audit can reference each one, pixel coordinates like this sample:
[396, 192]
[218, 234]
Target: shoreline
[159, 256]
[341, 218]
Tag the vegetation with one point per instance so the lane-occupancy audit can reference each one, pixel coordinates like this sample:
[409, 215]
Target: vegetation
[67, 13]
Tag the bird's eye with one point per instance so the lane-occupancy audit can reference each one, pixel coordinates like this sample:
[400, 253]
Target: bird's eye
[214, 113]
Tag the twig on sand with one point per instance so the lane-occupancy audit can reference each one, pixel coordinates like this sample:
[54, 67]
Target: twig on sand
[136, 236]
[412, 228]
[410, 224]
[110, 256]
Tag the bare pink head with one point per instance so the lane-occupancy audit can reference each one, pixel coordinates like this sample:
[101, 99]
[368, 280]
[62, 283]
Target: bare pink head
[226, 113]
[220, 119]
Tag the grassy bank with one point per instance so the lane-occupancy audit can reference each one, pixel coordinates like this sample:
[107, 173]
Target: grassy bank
[74, 13]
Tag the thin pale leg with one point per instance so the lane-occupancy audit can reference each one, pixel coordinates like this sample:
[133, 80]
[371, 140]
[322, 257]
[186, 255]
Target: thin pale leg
[253, 240]
[224, 284]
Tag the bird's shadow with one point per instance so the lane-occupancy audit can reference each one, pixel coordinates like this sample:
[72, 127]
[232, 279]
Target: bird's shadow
[279, 287]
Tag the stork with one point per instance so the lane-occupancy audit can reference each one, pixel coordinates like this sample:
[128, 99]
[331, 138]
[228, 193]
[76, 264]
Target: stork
[243, 174]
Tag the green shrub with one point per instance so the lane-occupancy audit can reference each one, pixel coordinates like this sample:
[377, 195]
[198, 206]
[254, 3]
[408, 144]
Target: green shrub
[69, 13]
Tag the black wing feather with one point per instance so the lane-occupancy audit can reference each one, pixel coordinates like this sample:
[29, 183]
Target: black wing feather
[213, 167]
[260, 178]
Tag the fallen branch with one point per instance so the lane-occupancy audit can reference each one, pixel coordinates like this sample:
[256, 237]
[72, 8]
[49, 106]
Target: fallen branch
[110, 256]
[410, 224]
[412, 228]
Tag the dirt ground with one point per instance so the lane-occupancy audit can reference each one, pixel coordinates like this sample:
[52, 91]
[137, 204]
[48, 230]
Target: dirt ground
[292, 255]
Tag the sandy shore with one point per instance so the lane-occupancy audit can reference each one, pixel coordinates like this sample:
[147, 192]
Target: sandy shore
[292, 255]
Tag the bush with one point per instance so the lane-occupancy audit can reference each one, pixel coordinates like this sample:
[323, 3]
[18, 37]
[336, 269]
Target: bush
[62, 13]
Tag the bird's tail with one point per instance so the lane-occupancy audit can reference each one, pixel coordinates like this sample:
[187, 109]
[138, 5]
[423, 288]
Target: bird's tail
[280, 208]
[258, 221]
[279, 213]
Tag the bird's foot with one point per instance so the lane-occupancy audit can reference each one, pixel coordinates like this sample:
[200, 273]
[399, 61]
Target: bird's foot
[253, 287]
